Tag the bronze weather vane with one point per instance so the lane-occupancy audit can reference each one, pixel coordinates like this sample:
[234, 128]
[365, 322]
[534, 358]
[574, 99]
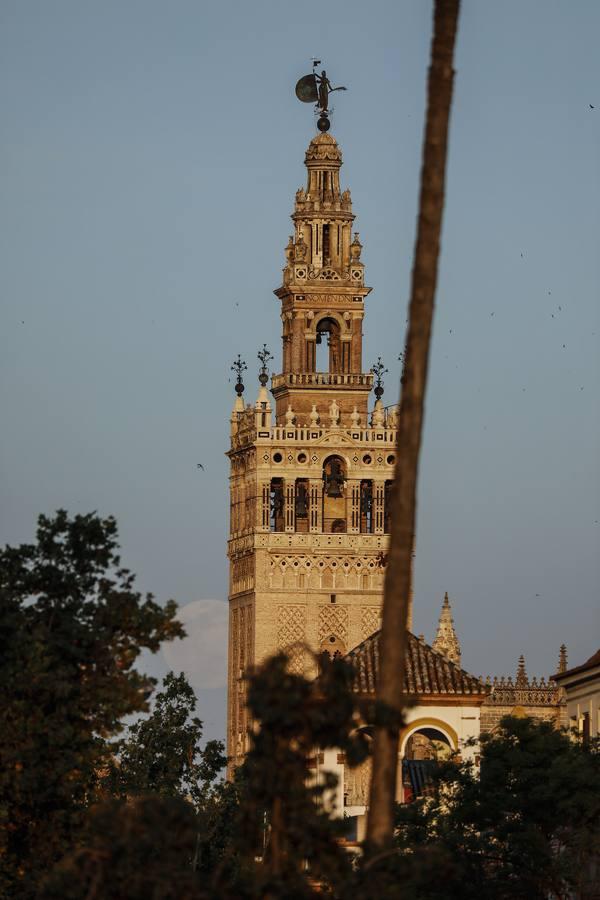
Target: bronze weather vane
[315, 88]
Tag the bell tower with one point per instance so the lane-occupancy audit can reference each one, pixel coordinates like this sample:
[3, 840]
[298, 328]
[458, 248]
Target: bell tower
[310, 479]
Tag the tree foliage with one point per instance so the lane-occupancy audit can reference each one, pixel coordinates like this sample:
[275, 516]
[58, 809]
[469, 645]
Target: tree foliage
[71, 628]
[162, 753]
[526, 826]
[283, 834]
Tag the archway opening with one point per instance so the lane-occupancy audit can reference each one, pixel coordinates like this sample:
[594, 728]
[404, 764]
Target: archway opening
[423, 751]
[328, 346]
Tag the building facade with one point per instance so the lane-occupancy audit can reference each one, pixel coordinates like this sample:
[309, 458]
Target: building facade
[311, 471]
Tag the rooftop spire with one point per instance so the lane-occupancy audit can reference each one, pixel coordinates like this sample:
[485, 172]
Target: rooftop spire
[562, 658]
[446, 641]
[521, 679]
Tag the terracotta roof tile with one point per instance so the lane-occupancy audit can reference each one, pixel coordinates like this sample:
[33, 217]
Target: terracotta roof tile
[427, 670]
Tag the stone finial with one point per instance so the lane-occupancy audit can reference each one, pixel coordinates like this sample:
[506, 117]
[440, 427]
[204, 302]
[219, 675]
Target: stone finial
[355, 418]
[289, 416]
[562, 658]
[314, 416]
[521, 680]
[289, 250]
[355, 248]
[378, 415]
[446, 640]
[334, 413]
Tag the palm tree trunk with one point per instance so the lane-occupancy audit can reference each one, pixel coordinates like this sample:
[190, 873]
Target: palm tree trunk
[392, 642]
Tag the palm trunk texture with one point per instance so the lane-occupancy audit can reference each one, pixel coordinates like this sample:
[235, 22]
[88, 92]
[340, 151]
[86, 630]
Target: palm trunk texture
[392, 642]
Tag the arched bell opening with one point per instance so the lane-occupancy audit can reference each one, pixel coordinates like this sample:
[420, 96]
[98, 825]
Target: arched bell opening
[334, 499]
[328, 335]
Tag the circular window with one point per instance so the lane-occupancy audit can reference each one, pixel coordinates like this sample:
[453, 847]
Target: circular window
[302, 457]
[367, 459]
[332, 640]
[391, 459]
[277, 457]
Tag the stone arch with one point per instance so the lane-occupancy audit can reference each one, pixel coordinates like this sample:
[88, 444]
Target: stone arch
[426, 724]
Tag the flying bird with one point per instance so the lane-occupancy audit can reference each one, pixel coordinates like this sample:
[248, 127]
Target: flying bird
[200, 466]
[592, 107]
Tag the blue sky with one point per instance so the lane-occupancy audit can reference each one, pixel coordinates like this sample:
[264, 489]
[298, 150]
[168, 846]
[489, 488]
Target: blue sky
[148, 165]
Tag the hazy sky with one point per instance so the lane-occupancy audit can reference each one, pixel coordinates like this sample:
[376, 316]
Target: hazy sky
[149, 158]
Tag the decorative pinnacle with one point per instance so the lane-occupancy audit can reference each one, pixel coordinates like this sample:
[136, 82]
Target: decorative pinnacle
[521, 679]
[378, 371]
[562, 658]
[264, 357]
[238, 367]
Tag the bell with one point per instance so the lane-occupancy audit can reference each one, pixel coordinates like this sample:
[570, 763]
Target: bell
[334, 484]
[301, 505]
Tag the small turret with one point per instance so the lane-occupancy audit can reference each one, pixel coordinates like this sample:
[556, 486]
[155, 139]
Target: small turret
[239, 366]
[446, 641]
[262, 407]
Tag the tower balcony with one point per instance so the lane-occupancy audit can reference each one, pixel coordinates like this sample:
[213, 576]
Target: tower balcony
[322, 379]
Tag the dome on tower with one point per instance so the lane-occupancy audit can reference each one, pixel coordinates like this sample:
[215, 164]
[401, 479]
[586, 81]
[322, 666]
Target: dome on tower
[324, 146]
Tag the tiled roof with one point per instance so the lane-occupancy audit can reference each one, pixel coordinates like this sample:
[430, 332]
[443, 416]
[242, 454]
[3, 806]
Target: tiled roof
[427, 671]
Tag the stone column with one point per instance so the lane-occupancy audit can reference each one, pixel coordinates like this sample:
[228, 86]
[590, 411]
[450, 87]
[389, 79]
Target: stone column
[290, 503]
[378, 506]
[316, 505]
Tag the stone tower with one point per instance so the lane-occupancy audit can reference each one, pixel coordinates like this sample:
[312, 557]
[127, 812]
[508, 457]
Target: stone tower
[310, 479]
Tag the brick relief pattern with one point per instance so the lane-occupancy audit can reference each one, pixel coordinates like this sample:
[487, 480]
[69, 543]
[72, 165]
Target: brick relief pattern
[333, 620]
[370, 621]
[291, 634]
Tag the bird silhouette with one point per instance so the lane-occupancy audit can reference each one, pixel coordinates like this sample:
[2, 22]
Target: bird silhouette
[200, 466]
[592, 107]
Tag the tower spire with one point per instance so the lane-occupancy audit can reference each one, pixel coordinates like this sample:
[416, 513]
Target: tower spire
[446, 641]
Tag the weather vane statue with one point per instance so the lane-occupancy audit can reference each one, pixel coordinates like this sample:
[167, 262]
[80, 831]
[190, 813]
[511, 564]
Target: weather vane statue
[316, 89]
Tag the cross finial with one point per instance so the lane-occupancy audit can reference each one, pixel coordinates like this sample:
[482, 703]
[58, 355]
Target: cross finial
[378, 370]
[238, 367]
[264, 357]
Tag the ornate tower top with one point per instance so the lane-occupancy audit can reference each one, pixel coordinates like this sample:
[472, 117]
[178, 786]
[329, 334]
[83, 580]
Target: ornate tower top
[446, 641]
[322, 297]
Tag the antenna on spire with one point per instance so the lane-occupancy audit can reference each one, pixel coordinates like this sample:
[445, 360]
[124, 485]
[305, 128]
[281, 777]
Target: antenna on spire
[315, 88]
